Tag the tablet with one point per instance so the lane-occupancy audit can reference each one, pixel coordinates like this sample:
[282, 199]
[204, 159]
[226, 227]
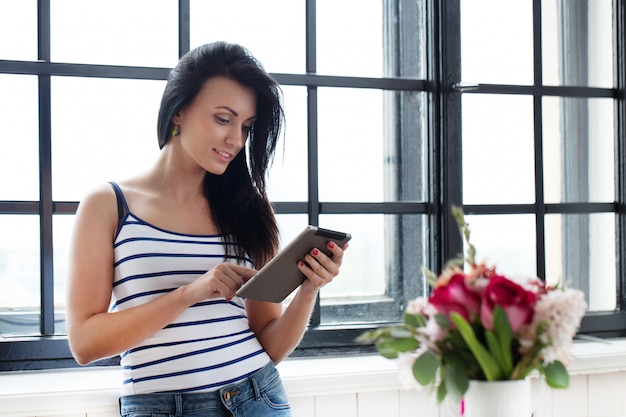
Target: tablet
[281, 276]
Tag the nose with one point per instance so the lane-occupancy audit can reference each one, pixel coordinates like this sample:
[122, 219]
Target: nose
[236, 136]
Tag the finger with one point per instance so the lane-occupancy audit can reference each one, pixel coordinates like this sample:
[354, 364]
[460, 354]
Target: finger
[225, 281]
[234, 273]
[336, 251]
[242, 271]
[220, 289]
[311, 275]
[314, 263]
[330, 265]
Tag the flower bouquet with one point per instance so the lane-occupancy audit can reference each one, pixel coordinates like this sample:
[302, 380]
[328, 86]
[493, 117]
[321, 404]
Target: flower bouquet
[480, 325]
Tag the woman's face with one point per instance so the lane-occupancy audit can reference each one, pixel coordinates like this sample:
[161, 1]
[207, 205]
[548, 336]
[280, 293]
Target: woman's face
[215, 125]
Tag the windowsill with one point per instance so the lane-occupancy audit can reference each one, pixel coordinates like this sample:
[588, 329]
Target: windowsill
[598, 357]
[99, 387]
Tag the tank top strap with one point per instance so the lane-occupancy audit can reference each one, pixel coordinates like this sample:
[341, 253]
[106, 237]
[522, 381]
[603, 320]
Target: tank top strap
[122, 207]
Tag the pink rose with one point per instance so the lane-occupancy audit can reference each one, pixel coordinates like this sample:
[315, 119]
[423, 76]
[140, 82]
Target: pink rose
[516, 302]
[456, 296]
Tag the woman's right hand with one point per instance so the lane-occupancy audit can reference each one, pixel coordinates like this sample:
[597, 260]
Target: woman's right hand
[221, 281]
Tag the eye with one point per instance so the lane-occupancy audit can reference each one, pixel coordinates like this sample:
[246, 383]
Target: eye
[221, 120]
[247, 129]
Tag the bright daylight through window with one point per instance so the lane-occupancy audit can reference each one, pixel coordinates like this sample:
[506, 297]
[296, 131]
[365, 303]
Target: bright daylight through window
[395, 110]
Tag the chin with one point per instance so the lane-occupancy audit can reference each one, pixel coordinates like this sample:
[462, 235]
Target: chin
[217, 171]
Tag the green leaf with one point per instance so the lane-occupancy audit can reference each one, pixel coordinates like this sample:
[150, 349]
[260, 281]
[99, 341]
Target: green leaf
[389, 348]
[400, 333]
[556, 375]
[464, 230]
[441, 392]
[487, 363]
[430, 276]
[372, 336]
[386, 352]
[456, 382]
[494, 348]
[504, 334]
[442, 321]
[414, 320]
[425, 368]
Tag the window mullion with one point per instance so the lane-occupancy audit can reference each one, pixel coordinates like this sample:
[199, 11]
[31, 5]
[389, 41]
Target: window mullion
[184, 29]
[619, 24]
[312, 114]
[45, 175]
[538, 141]
[448, 143]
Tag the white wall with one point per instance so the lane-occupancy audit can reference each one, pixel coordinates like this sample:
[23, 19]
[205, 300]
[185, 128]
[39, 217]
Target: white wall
[357, 386]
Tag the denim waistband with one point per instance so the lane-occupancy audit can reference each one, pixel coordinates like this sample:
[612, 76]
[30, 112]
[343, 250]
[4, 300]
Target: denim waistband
[178, 403]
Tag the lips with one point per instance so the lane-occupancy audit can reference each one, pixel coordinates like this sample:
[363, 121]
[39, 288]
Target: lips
[224, 155]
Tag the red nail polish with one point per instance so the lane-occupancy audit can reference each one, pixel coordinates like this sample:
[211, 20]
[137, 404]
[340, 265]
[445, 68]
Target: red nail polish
[331, 244]
[301, 264]
[315, 252]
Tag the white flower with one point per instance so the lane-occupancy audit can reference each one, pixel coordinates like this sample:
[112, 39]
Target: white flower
[432, 333]
[405, 363]
[417, 306]
[562, 311]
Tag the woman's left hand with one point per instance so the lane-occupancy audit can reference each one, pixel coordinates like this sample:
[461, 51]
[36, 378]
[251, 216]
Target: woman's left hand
[319, 268]
[278, 331]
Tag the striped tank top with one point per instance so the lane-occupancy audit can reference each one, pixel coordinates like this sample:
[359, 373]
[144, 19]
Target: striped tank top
[208, 346]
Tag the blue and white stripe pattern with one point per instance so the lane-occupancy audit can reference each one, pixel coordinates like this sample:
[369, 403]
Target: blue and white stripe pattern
[207, 347]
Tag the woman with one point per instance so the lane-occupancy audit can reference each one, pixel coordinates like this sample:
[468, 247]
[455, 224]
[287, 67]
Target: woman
[156, 259]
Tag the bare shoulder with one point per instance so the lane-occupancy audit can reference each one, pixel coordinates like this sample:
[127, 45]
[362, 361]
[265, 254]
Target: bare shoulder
[98, 208]
[102, 197]
[98, 197]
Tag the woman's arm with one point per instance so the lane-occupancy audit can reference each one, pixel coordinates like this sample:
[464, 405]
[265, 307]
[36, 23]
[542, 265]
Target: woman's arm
[279, 334]
[95, 333]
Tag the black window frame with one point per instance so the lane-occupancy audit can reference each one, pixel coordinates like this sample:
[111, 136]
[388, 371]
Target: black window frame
[443, 87]
[604, 324]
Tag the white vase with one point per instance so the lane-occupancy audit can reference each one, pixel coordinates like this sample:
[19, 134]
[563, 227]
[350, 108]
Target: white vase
[498, 399]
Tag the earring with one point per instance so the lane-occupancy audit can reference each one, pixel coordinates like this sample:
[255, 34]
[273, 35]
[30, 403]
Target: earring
[175, 131]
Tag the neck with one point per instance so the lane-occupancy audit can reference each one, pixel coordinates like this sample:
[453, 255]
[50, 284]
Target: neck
[176, 174]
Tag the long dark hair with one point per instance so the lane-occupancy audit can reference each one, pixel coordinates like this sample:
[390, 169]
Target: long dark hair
[237, 199]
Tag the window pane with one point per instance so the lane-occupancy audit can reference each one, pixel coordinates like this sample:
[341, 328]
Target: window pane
[580, 251]
[114, 32]
[579, 150]
[350, 46]
[577, 43]
[102, 130]
[351, 144]
[19, 31]
[290, 225]
[363, 268]
[19, 274]
[273, 30]
[360, 157]
[497, 41]
[506, 242]
[19, 163]
[287, 179]
[381, 268]
[498, 149]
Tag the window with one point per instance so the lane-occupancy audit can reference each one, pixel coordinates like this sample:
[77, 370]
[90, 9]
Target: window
[541, 100]
[392, 115]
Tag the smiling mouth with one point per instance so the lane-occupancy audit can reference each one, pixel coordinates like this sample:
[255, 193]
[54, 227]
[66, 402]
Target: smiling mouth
[223, 154]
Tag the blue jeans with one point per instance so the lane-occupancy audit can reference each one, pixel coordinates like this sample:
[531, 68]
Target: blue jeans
[262, 394]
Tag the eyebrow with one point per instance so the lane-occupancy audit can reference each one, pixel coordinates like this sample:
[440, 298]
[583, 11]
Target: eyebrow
[229, 109]
[233, 112]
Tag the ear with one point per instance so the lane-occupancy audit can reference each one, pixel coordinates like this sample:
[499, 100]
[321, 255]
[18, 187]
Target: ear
[176, 120]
